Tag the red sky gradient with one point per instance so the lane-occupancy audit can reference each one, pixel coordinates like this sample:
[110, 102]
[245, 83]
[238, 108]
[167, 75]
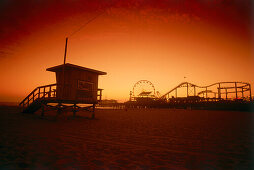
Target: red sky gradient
[162, 41]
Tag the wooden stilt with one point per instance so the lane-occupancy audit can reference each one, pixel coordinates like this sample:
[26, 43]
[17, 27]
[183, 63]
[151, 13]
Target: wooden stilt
[59, 109]
[74, 110]
[93, 115]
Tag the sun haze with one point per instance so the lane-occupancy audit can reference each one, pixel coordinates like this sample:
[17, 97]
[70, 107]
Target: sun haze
[161, 41]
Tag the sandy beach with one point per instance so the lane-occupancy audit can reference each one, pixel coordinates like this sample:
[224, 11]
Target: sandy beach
[132, 139]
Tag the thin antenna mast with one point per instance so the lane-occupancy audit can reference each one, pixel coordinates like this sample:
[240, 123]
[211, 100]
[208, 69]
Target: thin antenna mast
[65, 51]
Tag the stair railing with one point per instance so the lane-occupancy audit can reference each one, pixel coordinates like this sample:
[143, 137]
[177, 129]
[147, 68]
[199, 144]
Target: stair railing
[48, 91]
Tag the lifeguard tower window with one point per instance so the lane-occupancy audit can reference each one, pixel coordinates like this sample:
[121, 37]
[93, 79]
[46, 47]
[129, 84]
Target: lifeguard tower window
[84, 85]
[85, 89]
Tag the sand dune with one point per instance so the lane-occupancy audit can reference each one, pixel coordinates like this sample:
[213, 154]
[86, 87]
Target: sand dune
[133, 139]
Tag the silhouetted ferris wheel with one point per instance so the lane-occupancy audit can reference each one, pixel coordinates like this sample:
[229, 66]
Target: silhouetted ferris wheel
[143, 88]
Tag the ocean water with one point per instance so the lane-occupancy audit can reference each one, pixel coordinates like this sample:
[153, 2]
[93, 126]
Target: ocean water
[132, 139]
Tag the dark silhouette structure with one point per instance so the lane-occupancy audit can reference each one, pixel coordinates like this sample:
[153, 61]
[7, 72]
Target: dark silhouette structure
[142, 89]
[217, 96]
[215, 92]
[74, 85]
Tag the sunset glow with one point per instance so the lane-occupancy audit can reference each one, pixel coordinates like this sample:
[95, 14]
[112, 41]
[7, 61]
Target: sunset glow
[161, 41]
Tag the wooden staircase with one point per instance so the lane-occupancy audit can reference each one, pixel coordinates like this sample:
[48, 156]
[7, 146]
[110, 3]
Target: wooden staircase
[37, 97]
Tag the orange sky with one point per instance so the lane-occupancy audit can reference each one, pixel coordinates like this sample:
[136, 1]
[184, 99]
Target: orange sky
[161, 41]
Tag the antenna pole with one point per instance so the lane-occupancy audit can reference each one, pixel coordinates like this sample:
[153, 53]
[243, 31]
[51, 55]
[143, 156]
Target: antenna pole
[65, 51]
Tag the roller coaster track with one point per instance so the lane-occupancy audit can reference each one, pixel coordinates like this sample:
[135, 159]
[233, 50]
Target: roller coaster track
[227, 87]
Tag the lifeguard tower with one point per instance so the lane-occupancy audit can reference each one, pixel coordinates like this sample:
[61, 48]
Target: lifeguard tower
[74, 85]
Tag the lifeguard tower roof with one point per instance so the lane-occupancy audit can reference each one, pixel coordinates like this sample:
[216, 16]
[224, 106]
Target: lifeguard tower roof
[72, 66]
